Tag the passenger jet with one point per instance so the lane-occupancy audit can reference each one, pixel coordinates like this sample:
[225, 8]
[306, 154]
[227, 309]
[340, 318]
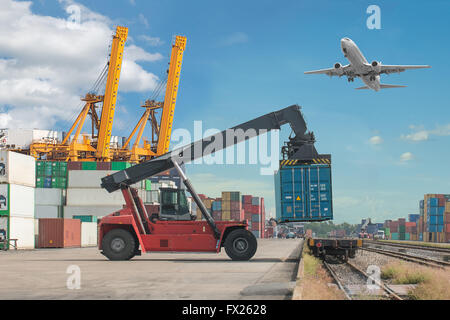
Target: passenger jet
[359, 67]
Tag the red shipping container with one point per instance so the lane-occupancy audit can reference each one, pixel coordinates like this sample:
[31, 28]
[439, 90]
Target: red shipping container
[247, 207]
[59, 233]
[235, 205]
[235, 215]
[256, 209]
[441, 202]
[410, 224]
[401, 221]
[74, 165]
[393, 229]
[103, 165]
[202, 196]
[247, 199]
[447, 227]
[447, 217]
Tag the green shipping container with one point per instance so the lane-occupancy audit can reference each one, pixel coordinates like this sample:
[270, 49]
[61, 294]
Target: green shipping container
[85, 218]
[148, 185]
[39, 182]
[407, 236]
[394, 236]
[387, 231]
[59, 169]
[401, 229]
[59, 183]
[401, 236]
[89, 165]
[115, 165]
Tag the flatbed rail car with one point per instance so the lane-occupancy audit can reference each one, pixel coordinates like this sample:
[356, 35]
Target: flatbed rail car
[340, 248]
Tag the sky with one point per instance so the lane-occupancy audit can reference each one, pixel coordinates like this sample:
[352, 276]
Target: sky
[243, 60]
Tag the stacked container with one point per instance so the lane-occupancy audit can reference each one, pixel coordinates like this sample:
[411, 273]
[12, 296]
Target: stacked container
[17, 182]
[51, 174]
[59, 233]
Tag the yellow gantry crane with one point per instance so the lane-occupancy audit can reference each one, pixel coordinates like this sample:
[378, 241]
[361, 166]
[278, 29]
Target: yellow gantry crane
[89, 149]
[161, 133]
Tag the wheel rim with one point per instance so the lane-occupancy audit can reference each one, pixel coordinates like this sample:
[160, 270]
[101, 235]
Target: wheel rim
[240, 244]
[117, 244]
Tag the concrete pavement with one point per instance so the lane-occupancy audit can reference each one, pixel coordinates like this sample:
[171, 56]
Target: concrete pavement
[41, 274]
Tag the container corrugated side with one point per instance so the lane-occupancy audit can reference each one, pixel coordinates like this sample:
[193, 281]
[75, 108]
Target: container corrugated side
[89, 234]
[48, 197]
[306, 193]
[22, 229]
[93, 197]
[87, 178]
[59, 233]
[98, 211]
[16, 168]
[48, 211]
[21, 201]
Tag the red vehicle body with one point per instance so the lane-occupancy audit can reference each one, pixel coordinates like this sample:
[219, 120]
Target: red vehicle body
[180, 236]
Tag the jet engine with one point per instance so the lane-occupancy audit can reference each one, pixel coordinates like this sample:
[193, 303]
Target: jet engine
[376, 66]
[338, 68]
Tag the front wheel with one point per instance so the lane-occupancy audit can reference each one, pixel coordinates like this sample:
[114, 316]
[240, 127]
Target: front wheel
[240, 245]
[119, 244]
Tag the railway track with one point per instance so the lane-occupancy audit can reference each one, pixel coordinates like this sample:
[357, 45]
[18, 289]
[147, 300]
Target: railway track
[342, 276]
[407, 246]
[411, 258]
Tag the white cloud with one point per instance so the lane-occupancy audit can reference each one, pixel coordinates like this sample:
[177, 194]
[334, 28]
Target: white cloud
[407, 156]
[143, 20]
[152, 41]
[46, 65]
[234, 38]
[375, 140]
[421, 134]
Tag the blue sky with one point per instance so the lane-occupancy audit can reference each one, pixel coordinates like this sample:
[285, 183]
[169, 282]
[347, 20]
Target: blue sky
[243, 60]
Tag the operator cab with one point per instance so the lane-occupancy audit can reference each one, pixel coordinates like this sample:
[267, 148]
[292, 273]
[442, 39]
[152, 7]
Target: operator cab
[174, 204]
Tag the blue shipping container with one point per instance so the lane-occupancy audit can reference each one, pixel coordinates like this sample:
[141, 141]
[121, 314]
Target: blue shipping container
[413, 217]
[435, 220]
[432, 202]
[304, 193]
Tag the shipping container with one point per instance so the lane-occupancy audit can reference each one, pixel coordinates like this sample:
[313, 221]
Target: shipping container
[119, 165]
[98, 211]
[93, 197]
[48, 211]
[17, 200]
[305, 193]
[87, 178]
[89, 165]
[59, 183]
[59, 233]
[48, 197]
[89, 234]
[85, 218]
[22, 229]
[16, 168]
[4, 233]
[103, 165]
[74, 165]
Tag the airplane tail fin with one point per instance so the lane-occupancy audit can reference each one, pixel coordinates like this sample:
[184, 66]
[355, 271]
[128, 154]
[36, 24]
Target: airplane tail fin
[382, 86]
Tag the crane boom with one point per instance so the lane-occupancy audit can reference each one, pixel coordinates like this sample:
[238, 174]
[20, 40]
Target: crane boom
[109, 102]
[301, 146]
[170, 98]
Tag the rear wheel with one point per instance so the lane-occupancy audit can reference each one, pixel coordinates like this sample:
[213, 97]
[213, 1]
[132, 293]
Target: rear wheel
[240, 245]
[119, 244]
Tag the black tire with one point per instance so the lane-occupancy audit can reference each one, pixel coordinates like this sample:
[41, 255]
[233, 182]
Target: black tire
[119, 244]
[352, 254]
[240, 245]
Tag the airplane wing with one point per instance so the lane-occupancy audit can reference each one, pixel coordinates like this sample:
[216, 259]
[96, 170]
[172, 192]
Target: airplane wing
[344, 70]
[398, 68]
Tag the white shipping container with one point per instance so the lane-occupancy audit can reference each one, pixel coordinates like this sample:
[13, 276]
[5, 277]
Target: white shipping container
[22, 138]
[88, 234]
[21, 201]
[48, 212]
[22, 229]
[87, 178]
[93, 197]
[99, 211]
[16, 168]
[49, 197]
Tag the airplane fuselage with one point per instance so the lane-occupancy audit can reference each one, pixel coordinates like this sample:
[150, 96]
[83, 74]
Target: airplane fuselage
[358, 62]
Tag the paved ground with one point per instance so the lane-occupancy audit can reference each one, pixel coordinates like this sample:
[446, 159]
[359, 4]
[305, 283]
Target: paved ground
[41, 274]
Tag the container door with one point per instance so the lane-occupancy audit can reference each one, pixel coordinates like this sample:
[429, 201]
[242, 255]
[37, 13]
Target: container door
[319, 193]
[293, 193]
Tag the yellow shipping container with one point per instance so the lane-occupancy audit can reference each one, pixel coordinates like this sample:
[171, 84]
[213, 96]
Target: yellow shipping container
[447, 206]
[226, 196]
[226, 215]
[226, 205]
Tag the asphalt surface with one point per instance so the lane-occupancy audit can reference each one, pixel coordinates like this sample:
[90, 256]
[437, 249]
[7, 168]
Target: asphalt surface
[42, 274]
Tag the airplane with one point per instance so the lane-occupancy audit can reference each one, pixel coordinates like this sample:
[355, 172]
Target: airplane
[359, 67]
